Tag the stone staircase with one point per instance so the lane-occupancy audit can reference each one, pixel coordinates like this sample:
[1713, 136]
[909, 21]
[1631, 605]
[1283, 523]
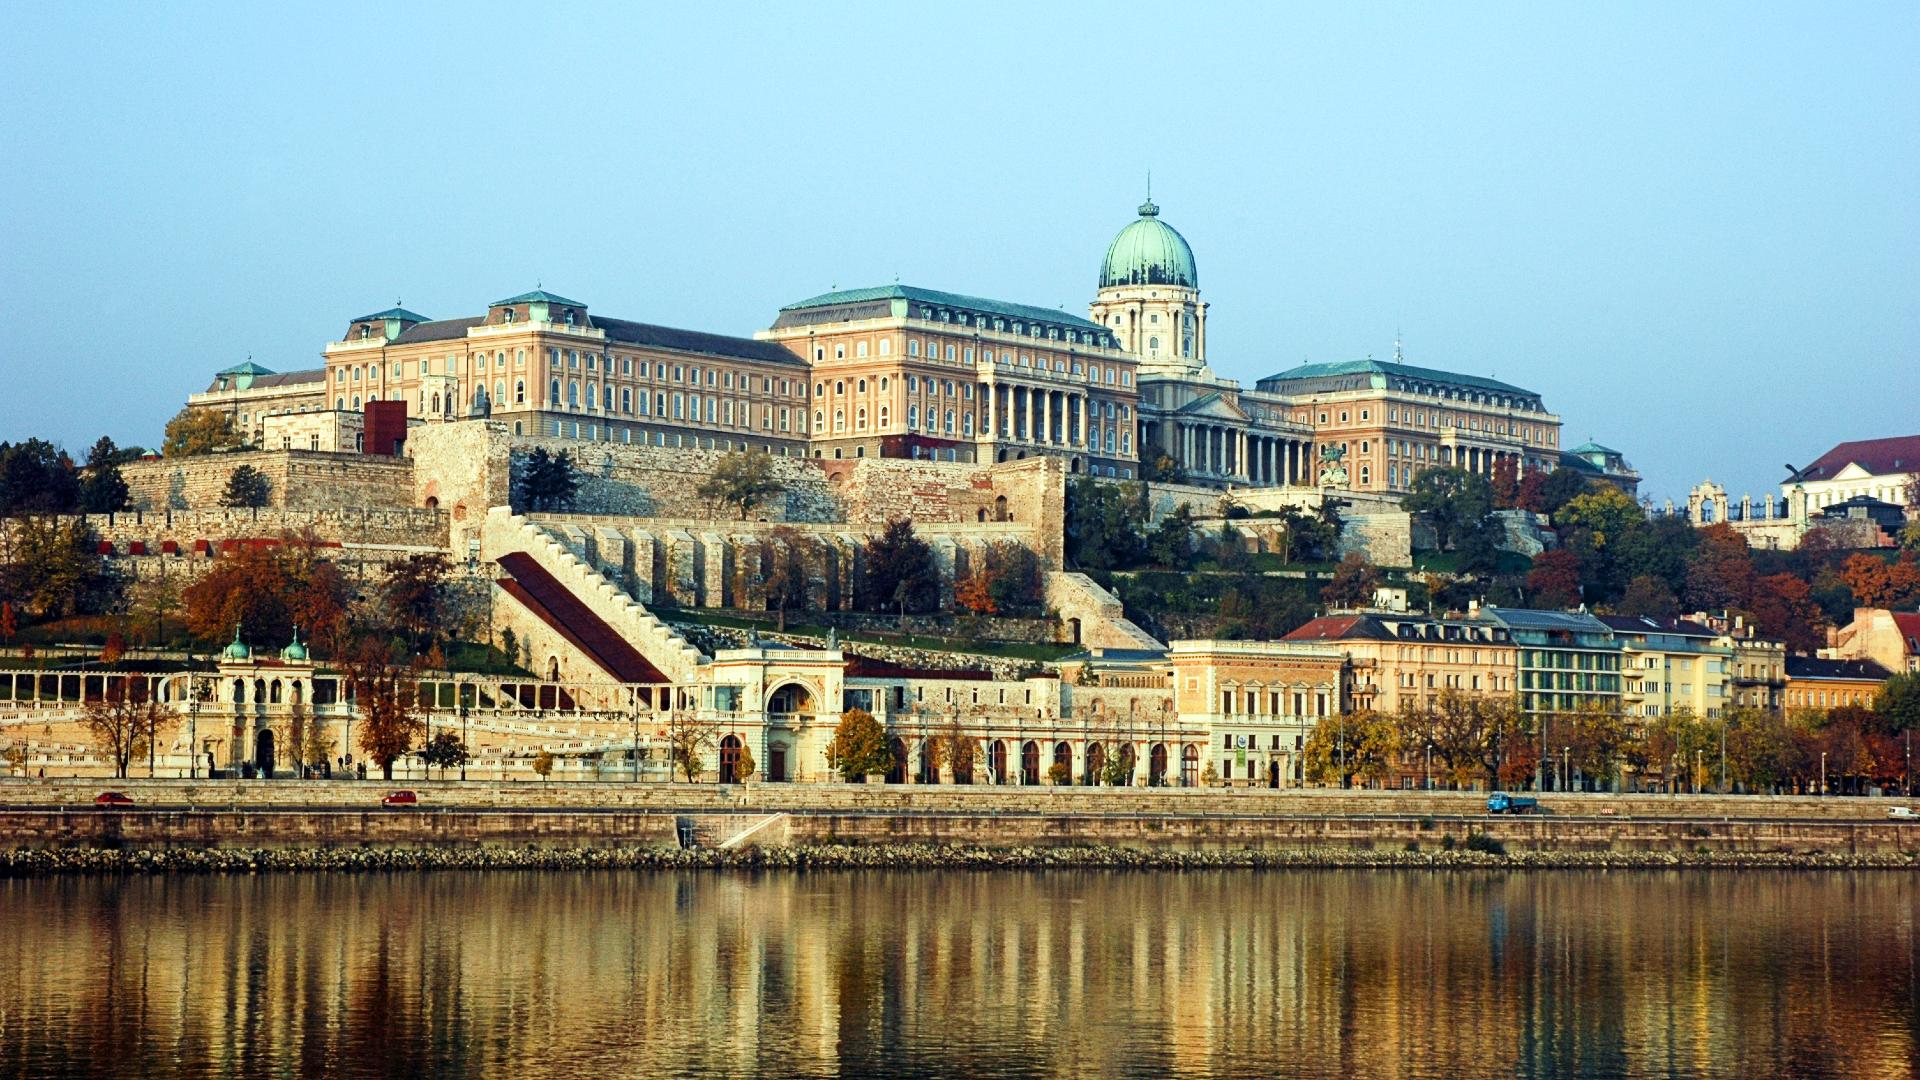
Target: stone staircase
[661, 644]
[728, 831]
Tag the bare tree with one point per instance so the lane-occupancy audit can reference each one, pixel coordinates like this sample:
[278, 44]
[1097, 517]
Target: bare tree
[689, 738]
[123, 720]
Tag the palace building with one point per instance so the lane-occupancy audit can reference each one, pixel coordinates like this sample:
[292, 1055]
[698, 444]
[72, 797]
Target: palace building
[899, 371]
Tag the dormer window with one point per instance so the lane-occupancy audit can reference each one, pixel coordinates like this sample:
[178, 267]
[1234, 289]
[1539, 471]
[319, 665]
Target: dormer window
[506, 315]
[365, 331]
[568, 317]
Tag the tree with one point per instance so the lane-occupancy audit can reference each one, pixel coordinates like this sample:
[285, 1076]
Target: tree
[783, 570]
[51, 568]
[1105, 525]
[387, 701]
[546, 482]
[1782, 607]
[1648, 596]
[690, 738]
[1058, 774]
[859, 746]
[444, 751]
[955, 747]
[199, 431]
[151, 599]
[543, 764]
[1720, 576]
[123, 719]
[1505, 484]
[743, 480]
[1558, 489]
[1363, 744]
[1880, 584]
[246, 487]
[900, 574]
[1170, 545]
[974, 593]
[744, 766]
[104, 490]
[36, 478]
[1604, 511]
[1353, 584]
[1554, 581]
[414, 590]
[1898, 703]
[1457, 503]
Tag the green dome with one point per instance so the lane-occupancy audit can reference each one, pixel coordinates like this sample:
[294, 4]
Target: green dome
[1149, 252]
[295, 652]
[237, 650]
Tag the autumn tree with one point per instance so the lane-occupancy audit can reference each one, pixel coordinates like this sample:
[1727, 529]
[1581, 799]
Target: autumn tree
[1554, 581]
[199, 431]
[1877, 583]
[51, 568]
[1353, 584]
[152, 599]
[1782, 607]
[690, 738]
[1720, 576]
[956, 748]
[414, 592]
[859, 746]
[123, 720]
[386, 699]
[543, 764]
[1363, 744]
[1456, 502]
[1648, 596]
[742, 480]
[900, 572]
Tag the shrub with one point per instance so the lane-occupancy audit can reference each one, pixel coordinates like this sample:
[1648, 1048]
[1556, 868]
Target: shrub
[1481, 842]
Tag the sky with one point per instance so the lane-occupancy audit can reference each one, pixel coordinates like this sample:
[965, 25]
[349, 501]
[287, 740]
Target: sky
[1693, 228]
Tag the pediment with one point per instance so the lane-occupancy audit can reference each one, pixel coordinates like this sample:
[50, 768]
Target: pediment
[1213, 407]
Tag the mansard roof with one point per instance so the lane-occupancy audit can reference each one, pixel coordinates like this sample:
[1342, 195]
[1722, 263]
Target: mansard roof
[1369, 368]
[438, 330]
[936, 298]
[1879, 457]
[666, 337]
[1804, 668]
[538, 296]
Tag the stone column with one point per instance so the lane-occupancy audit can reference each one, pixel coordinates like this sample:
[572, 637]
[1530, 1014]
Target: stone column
[1081, 401]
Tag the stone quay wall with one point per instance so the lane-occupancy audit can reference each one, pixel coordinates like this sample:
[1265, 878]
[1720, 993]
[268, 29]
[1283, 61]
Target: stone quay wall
[298, 479]
[197, 532]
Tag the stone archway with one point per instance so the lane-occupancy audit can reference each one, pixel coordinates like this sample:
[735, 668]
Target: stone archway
[1157, 765]
[897, 772]
[730, 759]
[792, 697]
[997, 762]
[1030, 763]
[1096, 763]
[1189, 766]
[263, 753]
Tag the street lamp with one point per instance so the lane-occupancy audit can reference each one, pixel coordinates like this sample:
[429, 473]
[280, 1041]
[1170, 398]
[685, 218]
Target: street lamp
[460, 695]
[1823, 772]
[1566, 763]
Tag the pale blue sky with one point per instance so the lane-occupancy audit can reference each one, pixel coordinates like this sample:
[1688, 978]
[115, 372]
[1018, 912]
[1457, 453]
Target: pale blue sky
[1694, 228]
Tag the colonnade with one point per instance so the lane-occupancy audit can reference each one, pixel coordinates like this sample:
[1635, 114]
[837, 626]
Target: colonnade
[1222, 452]
[1047, 417]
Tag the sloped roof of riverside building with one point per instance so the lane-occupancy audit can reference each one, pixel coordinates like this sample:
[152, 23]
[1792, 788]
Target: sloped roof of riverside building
[1879, 457]
[880, 299]
[1378, 374]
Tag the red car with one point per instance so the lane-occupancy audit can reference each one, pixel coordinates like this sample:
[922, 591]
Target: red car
[113, 798]
[400, 798]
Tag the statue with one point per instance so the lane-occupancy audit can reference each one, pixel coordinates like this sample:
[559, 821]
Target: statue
[833, 638]
[1333, 469]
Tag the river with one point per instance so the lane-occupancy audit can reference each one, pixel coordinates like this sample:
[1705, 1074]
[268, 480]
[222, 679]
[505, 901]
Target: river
[982, 974]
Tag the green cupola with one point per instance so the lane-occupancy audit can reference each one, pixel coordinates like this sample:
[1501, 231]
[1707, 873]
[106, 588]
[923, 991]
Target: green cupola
[295, 652]
[238, 650]
[1149, 252]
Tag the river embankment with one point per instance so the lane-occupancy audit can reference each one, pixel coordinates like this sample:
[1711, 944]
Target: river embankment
[226, 826]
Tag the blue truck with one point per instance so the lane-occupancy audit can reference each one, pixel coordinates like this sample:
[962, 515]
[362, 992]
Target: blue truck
[1501, 802]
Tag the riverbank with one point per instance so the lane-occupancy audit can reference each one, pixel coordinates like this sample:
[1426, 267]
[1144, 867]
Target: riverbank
[61, 861]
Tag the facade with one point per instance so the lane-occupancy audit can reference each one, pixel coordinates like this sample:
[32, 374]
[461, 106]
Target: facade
[1257, 701]
[548, 366]
[1603, 463]
[1814, 683]
[248, 394]
[338, 431]
[900, 371]
[1885, 470]
[1668, 665]
[1888, 638]
[1407, 661]
[1860, 490]
[1565, 659]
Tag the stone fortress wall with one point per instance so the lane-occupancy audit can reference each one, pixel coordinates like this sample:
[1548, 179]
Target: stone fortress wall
[298, 479]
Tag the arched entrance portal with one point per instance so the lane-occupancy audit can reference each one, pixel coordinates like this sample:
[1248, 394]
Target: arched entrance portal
[730, 759]
[1157, 766]
[997, 763]
[1126, 758]
[1189, 766]
[263, 752]
[1096, 761]
[1273, 773]
[929, 772]
[897, 773]
[790, 698]
[1063, 757]
[1030, 763]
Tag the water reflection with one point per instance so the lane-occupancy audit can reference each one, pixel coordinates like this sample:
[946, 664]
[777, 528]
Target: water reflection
[1227, 974]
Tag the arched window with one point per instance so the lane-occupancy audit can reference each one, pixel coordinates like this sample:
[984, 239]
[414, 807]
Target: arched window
[519, 391]
[553, 392]
[913, 416]
[860, 420]
[883, 416]
[1153, 343]
[573, 393]
[860, 387]
[626, 400]
[949, 421]
[593, 395]
[839, 419]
